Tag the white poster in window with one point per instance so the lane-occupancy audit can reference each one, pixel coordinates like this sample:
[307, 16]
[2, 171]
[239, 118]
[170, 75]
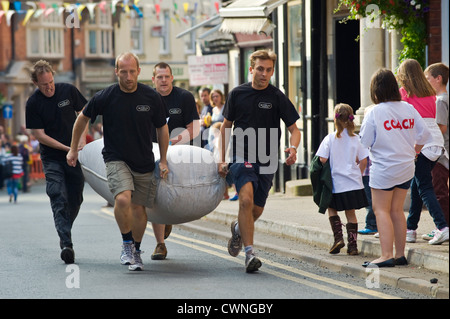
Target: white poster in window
[208, 69]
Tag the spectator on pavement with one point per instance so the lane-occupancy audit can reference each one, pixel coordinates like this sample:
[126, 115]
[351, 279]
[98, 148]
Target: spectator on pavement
[205, 112]
[12, 183]
[393, 131]
[416, 90]
[437, 75]
[348, 160]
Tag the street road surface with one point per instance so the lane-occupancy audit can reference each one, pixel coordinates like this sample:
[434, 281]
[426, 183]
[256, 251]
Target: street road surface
[198, 268]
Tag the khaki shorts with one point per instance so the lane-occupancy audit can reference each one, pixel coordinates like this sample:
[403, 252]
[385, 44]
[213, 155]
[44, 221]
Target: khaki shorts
[142, 186]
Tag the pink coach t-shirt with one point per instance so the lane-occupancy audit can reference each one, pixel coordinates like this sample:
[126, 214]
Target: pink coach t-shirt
[426, 106]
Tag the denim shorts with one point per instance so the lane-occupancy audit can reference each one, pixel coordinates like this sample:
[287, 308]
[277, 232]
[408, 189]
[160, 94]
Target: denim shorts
[242, 173]
[142, 186]
[405, 185]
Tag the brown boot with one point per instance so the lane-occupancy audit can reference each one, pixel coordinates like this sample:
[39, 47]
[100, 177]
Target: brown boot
[352, 233]
[336, 226]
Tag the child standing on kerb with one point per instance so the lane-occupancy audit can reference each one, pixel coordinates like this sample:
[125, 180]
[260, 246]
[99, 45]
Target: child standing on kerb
[348, 159]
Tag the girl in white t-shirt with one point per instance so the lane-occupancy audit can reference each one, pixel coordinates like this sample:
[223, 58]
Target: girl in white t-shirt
[348, 159]
[394, 132]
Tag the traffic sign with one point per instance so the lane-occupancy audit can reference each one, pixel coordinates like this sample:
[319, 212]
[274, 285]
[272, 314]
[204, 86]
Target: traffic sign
[7, 111]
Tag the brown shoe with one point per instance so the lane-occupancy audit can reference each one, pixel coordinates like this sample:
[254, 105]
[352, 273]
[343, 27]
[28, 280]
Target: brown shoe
[336, 226]
[160, 252]
[167, 231]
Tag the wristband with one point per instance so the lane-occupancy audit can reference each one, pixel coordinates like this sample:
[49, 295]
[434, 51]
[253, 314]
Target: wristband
[295, 148]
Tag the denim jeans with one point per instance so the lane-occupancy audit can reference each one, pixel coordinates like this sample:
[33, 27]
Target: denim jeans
[371, 221]
[422, 192]
[64, 186]
[12, 186]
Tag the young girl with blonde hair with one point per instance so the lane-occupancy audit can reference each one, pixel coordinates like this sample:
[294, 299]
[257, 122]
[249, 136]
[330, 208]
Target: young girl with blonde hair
[348, 159]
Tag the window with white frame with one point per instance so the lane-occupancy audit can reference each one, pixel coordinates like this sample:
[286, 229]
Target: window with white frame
[45, 36]
[164, 47]
[191, 38]
[99, 34]
[136, 31]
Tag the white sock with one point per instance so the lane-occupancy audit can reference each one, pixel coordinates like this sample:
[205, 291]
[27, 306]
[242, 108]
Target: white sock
[248, 250]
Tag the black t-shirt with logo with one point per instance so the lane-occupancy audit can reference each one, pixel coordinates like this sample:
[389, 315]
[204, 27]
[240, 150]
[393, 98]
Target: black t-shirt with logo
[128, 119]
[256, 115]
[180, 109]
[56, 115]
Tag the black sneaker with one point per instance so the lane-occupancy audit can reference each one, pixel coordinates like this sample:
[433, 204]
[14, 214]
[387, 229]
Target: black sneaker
[68, 255]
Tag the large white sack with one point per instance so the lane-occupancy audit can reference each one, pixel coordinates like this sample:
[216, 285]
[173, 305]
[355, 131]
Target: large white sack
[193, 187]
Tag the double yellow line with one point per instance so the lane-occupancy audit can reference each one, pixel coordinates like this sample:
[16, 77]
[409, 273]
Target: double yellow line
[276, 269]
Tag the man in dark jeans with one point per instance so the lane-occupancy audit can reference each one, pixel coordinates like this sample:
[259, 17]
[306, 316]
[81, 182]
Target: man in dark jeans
[50, 113]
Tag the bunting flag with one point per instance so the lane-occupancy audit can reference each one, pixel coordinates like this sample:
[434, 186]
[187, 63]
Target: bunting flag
[34, 9]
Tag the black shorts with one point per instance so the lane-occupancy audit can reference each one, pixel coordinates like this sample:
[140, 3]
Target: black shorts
[242, 173]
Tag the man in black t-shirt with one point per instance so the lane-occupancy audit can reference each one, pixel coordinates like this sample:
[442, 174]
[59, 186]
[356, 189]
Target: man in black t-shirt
[130, 111]
[184, 127]
[50, 113]
[255, 110]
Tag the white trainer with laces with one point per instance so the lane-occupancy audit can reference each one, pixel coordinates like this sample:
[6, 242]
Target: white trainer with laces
[138, 264]
[411, 236]
[127, 255]
[440, 236]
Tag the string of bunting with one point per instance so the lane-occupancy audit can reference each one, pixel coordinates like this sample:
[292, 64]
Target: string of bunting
[29, 9]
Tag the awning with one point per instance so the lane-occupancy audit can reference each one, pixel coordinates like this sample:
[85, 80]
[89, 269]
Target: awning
[249, 16]
[244, 40]
[243, 16]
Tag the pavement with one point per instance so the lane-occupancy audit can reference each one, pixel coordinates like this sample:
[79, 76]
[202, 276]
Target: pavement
[296, 218]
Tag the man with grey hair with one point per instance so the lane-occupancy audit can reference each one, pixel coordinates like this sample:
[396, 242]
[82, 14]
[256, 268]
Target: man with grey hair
[50, 114]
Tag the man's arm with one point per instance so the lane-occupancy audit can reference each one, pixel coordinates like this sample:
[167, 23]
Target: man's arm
[78, 130]
[294, 142]
[49, 141]
[163, 142]
[225, 132]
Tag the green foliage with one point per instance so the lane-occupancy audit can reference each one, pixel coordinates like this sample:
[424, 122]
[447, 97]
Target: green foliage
[404, 16]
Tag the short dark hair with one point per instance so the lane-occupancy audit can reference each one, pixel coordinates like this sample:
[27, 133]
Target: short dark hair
[162, 65]
[384, 87]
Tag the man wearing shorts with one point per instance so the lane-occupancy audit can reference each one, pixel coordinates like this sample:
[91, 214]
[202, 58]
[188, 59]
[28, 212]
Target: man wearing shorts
[130, 110]
[255, 110]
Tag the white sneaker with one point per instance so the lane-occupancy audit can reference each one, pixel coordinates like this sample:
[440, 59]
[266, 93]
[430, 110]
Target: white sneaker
[440, 236]
[411, 236]
[429, 236]
[127, 255]
[138, 264]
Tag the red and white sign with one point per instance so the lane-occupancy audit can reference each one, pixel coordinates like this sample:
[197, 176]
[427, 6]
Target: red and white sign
[208, 69]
